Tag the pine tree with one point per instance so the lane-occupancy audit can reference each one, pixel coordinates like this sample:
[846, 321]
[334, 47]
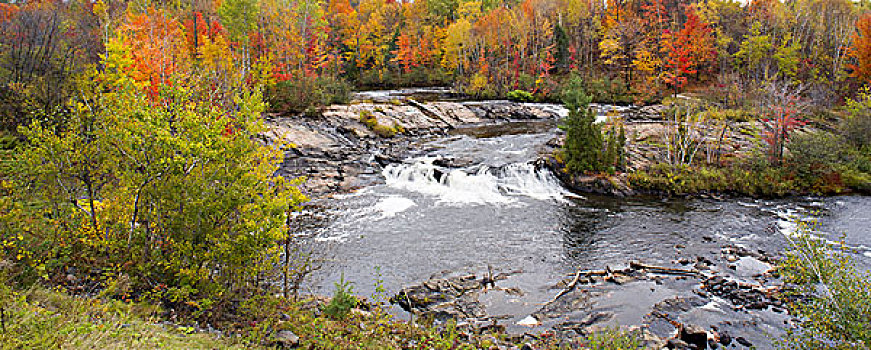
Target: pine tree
[583, 144]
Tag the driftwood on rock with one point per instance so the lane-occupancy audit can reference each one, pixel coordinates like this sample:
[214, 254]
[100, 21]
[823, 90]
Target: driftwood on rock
[635, 265]
[569, 288]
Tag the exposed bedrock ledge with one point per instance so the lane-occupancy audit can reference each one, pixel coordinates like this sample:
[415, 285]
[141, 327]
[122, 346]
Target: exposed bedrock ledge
[337, 152]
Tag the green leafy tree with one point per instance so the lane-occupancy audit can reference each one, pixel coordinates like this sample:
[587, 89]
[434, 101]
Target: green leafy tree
[583, 143]
[754, 56]
[171, 190]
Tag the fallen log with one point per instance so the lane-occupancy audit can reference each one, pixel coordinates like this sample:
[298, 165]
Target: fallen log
[569, 288]
[663, 270]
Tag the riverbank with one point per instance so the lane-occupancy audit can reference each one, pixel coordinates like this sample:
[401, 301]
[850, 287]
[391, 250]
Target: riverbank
[345, 147]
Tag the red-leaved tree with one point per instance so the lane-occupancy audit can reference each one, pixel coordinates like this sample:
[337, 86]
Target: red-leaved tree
[687, 51]
[783, 109]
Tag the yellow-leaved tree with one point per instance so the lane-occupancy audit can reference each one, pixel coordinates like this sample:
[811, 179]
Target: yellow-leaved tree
[159, 184]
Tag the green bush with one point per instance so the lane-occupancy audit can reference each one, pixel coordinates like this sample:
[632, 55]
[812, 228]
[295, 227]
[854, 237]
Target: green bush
[586, 148]
[520, 96]
[368, 119]
[583, 142]
[178, 199]
[856, 127]
[741, 179]
[304, 94]
[608, 90]
[831, 295]
[816, 153]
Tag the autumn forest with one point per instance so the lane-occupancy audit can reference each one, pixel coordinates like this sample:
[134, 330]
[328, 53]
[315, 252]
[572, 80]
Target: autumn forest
[146, 201]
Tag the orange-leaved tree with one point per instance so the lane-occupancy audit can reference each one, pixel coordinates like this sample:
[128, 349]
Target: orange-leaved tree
[687, 51]
[861, 50]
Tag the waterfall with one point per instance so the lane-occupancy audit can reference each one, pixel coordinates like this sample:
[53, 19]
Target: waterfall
[479, 184]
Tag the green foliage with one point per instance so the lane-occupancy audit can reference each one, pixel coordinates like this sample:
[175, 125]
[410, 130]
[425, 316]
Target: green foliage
[305, 93]
[178, 196]
[368, 119]
[416, 76]
[613, 339]
[585, 149]
[44, 47]
[583, 142]
[816, 153]
[239, 17]
[442, 10]
[343, 300]
[755, 52]
[856, 127]
[833, 295]
[520, 96]
[605, 90]
[681, 180]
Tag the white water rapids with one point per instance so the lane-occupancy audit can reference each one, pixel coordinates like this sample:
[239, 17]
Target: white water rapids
[479, 184]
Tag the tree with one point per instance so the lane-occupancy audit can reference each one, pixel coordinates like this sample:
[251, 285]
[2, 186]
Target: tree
[755, 58]
[156, 43]
[782, 108]
[861, 50]
[688, 51]
[583, 143]
[171, 190]
[44, 45]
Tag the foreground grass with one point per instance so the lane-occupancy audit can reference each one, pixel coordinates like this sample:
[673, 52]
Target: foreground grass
[44, 319]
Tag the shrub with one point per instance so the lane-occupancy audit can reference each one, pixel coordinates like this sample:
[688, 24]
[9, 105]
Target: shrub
[368, 119]
[607, 90]
[585, 148]
[303, 94]
[520, 96]
[856, 127]
[741, 179]
[831, 295]
[816, 152]
[38, 69]
[479, 86]
[583, 142]
[178, 196]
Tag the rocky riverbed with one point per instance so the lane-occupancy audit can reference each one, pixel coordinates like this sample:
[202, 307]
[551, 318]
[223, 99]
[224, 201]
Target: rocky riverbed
[701, 303]
[465, 220]
[337, 152]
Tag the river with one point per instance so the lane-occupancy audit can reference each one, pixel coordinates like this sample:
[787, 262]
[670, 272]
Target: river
[474, 202]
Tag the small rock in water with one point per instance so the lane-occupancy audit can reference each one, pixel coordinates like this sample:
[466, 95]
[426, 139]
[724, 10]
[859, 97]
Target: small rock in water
[529, 321]
[678, 344]
[743, 341]
[695, 336]
[725, 338]
[620, 279]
